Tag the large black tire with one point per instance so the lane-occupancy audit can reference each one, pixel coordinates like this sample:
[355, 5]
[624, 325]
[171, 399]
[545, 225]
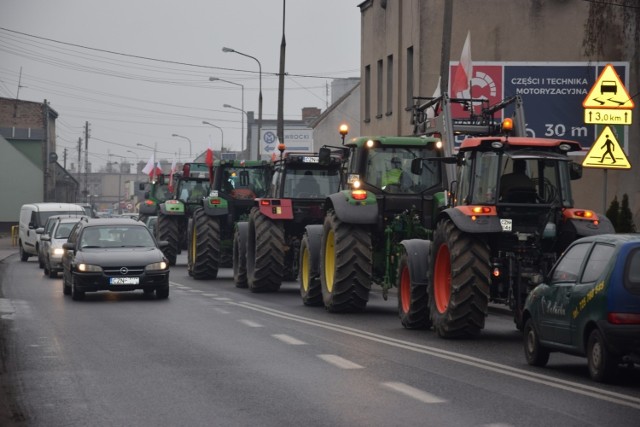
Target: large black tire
[240, 254]
[310, 286]
[66, 287]
[162, 293]
[413, 301]
[459, 280]
[265, 253]
[603, 365]
[40, 258]
[534, 352]
[345, 265]
[204, 246]
[168, 229]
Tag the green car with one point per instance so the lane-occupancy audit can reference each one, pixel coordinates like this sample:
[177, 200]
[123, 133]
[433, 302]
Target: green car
[589, 305]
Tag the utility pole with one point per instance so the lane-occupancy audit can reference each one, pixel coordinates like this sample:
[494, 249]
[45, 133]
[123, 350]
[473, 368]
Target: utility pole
[446, 45]
[64, 157]
[283, 48]
[46, 158]
[86, 161]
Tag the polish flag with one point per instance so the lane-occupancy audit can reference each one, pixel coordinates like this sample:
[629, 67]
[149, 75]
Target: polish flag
[460, 88]
[148, 168]
[173, 169]
[158, 170]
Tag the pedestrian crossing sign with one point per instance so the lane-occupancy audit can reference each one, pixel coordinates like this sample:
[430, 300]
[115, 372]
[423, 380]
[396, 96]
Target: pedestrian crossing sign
[606, 153]
[608, 92]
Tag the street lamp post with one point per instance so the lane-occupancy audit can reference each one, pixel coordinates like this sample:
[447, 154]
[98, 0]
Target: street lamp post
[226, 49]
[243, 113]
[204, 122]
[184, 137]
[212, 79]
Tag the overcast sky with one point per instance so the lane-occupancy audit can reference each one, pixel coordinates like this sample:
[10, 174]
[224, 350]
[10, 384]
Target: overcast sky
[138, 70]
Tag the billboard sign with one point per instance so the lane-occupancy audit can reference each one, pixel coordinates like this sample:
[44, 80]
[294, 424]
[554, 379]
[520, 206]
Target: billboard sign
[295, 139]
[552, 94]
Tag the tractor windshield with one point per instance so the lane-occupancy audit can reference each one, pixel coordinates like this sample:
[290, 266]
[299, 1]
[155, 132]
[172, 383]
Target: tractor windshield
[515, 179]
[311, 183]
[161, 192]
[389, 168]
[246, 183]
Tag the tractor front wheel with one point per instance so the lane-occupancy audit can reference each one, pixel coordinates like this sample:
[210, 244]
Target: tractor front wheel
[413, 301]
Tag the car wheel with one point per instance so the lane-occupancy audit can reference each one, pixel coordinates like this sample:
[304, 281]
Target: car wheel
[162, 293]
[24, 256]
[52, 273]
[66, 289]
[536, 354]
[76, 294]
[602, 364]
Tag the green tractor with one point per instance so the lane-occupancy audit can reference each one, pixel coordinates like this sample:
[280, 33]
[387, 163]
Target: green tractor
[191, 187]
[272, 236]
[381, 204]
[236, 183]
[157, 193]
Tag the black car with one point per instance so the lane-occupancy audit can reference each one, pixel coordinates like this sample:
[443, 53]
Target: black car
[113, 254]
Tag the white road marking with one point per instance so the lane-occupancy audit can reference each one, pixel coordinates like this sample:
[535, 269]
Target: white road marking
[498, 368]
[221, 311]
[250, 323]
[222, 299]
[209, 295]
[413, 392]
[339, 361]
[288, 339]
[196, 291]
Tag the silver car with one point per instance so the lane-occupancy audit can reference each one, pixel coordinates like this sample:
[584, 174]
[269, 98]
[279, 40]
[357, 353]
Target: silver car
[51, 243]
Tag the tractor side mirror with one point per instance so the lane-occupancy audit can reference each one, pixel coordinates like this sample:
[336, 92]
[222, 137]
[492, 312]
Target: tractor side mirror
[324, 156]
[416, 166]
[575, 170]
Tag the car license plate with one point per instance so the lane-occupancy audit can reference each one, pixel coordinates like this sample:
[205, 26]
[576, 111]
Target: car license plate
[124, 280]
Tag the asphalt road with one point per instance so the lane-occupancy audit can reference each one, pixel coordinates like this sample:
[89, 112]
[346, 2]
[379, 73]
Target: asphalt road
[216, 355]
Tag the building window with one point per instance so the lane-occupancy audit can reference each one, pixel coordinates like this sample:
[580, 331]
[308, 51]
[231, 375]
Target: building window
[379, 90]
[367, 93]
[410, 77]
[389, 84]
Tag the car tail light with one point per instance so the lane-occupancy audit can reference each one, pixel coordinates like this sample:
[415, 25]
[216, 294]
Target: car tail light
[624, 318]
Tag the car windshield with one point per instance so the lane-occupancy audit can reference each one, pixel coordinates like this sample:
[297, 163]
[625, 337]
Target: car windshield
[120, 236]
[63, 230]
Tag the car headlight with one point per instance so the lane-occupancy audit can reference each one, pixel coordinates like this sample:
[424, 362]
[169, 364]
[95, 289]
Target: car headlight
[57, 251]
[88, 268]
[157, 266]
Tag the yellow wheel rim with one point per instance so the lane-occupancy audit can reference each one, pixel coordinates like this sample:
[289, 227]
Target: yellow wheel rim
[305, 272]
[330, 260]
[193, 244]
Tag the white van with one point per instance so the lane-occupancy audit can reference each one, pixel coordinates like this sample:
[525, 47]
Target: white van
[34, 216]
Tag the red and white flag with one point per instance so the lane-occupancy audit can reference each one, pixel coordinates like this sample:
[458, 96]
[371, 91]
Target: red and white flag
[173, 169]
[432, 112]
[460, 87]
[148, 168]
[158, 170]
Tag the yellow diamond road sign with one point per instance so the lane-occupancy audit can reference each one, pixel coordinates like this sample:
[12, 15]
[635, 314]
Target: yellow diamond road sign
[608, 92]
[606, 153]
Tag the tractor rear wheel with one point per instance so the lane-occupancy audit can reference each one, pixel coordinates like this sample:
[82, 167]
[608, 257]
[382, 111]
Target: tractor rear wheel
[458, 283]
[240, 254]
[345, 265]
[204, 246]
[265, 253]
[310, 286]
[413, 301]
[168, 229]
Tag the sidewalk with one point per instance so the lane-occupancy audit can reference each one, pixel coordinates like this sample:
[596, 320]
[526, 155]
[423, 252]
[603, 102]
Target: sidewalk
[6, 249]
